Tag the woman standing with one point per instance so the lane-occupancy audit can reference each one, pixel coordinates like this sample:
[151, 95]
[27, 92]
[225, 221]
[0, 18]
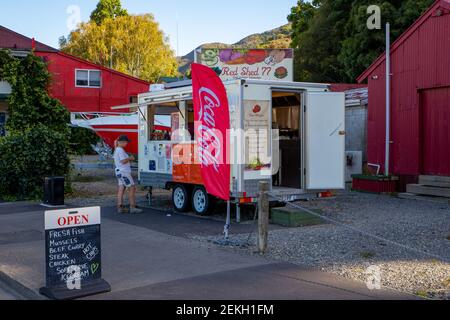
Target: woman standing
[123, 162]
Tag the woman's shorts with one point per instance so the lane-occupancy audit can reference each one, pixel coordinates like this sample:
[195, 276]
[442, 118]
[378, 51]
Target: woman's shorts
[126, 180]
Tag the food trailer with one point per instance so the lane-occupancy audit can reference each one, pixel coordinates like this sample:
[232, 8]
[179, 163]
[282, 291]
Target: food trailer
[289, 134]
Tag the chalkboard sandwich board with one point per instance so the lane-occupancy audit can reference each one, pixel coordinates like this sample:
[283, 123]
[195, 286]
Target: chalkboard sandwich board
[73, 254]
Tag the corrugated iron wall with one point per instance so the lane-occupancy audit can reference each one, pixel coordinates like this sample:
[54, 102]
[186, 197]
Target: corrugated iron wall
[116, 88]
[421, 62]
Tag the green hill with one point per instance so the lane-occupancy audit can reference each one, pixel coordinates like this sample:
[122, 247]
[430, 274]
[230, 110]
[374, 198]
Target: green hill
[276, 38]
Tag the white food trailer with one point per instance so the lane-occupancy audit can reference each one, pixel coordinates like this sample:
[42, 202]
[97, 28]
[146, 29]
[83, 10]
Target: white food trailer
[299, 148]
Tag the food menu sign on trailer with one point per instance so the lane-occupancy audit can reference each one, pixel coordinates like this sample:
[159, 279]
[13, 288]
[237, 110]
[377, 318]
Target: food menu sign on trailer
[73, 253]
[259, 64]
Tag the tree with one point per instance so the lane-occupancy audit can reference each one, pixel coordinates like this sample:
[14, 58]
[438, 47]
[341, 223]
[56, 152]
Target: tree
[37, 142]
[332, 41]
[131, 44]
[29, 104]
[107, 9]
[301, 17]
[362, 46]
[318, 31]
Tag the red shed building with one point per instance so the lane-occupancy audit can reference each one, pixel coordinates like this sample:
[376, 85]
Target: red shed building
[80, 85]
[86, 87]
[420, 105]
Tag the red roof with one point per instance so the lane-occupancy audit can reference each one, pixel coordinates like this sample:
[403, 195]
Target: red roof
[443, 5]
[15, 41]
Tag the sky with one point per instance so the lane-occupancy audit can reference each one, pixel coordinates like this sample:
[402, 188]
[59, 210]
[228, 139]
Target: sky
[199, 21]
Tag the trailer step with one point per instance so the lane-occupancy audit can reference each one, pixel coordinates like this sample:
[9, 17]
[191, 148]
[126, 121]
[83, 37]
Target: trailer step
[290, 195]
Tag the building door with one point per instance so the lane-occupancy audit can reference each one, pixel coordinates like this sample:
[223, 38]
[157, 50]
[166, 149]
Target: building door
[436, 131]
[325, 140]
[287, 120]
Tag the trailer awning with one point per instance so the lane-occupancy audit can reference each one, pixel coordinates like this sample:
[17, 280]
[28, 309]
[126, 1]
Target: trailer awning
[130, 106]
[169, 97]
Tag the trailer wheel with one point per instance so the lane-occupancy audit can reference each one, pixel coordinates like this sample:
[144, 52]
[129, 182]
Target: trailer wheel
[180, 198]
[202, 202]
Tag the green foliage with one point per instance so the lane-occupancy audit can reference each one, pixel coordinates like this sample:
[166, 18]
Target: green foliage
[301, 17]
[332, 41]
[30, 104]
[81, 141]
[362, 46]
[134, 45]
[37, 142]
[6, 66]
[27, 158]
[107, 9]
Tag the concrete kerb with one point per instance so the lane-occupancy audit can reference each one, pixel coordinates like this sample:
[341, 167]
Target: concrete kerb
[3, 204]
[19, 288]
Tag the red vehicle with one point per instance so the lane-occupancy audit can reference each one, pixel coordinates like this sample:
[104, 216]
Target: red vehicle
[110, 126]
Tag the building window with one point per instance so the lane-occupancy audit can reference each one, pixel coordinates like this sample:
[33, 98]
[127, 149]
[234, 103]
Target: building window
[88, 78]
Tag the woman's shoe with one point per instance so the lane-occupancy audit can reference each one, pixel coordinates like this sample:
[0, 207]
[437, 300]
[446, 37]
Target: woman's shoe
[123, 210]
[135, 211]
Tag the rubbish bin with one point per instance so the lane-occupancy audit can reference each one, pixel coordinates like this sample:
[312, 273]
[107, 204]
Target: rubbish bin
[54, 191]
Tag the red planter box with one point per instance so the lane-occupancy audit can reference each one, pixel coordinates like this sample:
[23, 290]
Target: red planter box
[375, 184]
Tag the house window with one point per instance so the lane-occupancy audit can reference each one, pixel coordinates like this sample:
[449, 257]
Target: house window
[88, 78]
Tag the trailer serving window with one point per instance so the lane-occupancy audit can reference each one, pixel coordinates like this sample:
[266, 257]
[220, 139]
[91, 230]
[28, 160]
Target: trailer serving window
[171, 121]
[162, 121]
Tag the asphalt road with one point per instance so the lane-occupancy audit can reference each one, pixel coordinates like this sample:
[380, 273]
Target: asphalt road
[6, 294]
[149, 256]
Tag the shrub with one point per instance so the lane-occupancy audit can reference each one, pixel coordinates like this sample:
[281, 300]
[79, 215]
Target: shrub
[27, 158]
[38, 133]
[81, 141]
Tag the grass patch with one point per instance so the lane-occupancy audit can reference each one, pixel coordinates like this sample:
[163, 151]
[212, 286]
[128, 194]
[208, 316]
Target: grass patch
[447, 283]
[87, 179]
[367, 255]
[422, 294]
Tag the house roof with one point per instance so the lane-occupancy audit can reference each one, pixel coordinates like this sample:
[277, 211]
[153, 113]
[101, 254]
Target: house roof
[439, 4]
[15, 41]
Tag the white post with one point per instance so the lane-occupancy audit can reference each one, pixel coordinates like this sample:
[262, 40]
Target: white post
[388, 98]
[238, 213]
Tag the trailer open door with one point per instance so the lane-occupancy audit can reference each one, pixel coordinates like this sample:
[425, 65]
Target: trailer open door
[325, 140]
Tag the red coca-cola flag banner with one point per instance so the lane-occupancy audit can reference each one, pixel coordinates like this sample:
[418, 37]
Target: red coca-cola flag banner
[212, 123]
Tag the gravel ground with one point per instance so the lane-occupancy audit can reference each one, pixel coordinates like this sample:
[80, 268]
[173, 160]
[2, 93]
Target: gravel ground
[99, 188]
[421, 225]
